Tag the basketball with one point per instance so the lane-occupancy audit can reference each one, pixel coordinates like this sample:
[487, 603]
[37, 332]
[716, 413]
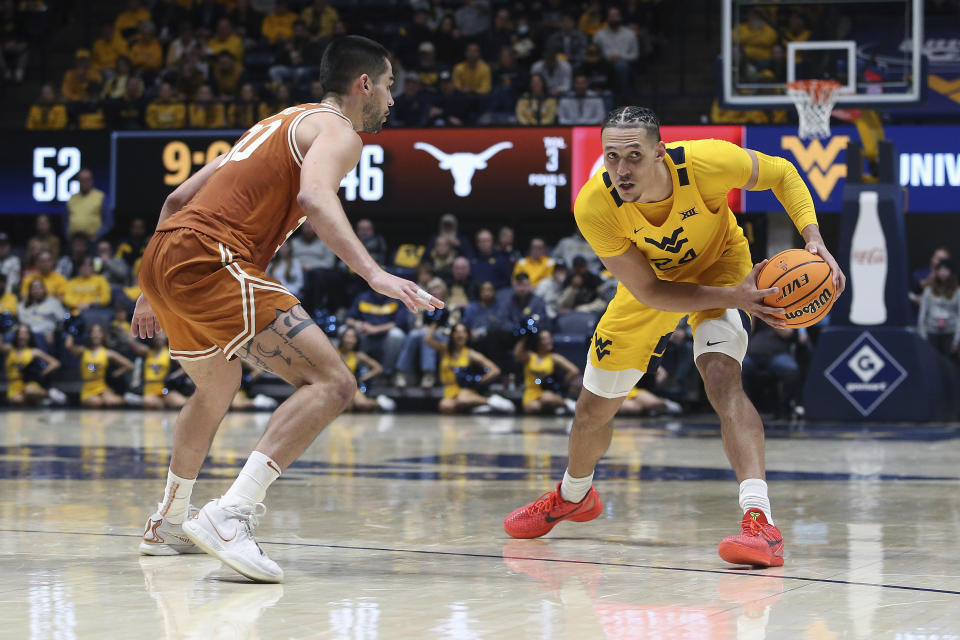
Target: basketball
[806, 286]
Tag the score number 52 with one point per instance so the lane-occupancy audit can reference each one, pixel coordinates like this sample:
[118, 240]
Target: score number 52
[55, 183]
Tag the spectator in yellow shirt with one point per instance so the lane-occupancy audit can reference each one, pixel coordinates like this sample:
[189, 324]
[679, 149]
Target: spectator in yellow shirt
[186, 79]
[279, 24]
[535, 106]
[536, 265]
[55, 283]
[8, 300]
[226, 76]
[183, 45]
[797, 30]
[165, 112]
[75, 80]
[472, 76]
[736, 116]
[116, 86]
[755, 37]
[205, 112]
[103, 53]
[281, 100]
[46, 114]
[85, 208]
[226, 40]
[43, 239]
[320, 18]
[146, 54]
[242, 114]
[591, 20]
[86, 289]
[88, 113]
[129, 19]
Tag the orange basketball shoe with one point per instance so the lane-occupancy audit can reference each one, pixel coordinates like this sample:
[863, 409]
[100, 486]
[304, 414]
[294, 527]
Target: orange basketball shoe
[538, 517]
[759, 542]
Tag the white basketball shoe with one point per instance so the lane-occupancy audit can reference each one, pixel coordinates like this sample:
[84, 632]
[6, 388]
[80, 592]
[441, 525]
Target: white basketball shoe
[227, 533]
[501, 404]
[163, 538]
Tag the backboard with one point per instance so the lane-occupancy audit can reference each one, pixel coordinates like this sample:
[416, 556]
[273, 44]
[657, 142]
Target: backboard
[871, 47]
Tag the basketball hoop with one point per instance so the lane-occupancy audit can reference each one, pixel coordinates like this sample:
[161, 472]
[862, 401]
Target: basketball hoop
[814, 100]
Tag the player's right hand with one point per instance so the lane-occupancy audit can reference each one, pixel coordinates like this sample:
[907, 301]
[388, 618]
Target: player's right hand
[407, 292]
[750, 299]
[144, 323]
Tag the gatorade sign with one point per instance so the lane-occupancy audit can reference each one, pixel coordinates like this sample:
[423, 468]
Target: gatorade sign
[865, 373]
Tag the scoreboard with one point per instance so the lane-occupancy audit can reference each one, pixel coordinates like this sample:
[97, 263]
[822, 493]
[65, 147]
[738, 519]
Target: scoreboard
[431, 171]
[517, 173]
[39, 170]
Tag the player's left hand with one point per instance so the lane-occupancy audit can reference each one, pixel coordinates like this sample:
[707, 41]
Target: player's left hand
[817, 247]
[144, 323]
[407, 292]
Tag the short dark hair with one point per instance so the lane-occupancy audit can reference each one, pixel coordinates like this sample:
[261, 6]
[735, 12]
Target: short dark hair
[348, 57]
[629, 117]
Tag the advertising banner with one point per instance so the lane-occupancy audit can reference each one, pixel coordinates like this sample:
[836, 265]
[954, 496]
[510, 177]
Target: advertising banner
[928, 161]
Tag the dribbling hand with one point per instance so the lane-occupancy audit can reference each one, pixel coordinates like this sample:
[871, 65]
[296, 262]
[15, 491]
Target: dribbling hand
[407, 292]
[144, 323]
[750, 299]
[817, 247]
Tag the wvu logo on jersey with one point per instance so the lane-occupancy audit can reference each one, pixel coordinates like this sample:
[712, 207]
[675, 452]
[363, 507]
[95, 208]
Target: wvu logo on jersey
[670, 244]
[689, 213]
[601, 346]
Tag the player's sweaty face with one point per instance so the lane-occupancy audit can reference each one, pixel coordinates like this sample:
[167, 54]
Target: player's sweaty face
[377, 108]
[630, 157]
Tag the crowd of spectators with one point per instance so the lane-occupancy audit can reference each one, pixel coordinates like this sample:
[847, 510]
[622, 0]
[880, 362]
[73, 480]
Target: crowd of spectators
[516, 324]
[204, 64]
[514, 333]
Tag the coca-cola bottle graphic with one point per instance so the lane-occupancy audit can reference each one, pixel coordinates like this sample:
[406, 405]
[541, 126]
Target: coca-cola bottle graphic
[868, 265]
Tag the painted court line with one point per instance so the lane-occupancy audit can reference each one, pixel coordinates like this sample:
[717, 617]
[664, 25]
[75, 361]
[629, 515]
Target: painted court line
[553, 560]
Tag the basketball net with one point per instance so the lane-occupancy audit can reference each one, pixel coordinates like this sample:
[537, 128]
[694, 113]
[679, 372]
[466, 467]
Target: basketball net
[814, 100]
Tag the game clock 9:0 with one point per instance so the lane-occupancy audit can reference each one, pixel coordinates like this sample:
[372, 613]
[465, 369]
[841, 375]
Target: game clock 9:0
[179, 160]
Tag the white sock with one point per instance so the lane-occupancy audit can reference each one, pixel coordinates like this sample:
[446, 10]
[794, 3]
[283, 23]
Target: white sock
[753, 495]
[176, 498]
[250, 487]
[574, 489]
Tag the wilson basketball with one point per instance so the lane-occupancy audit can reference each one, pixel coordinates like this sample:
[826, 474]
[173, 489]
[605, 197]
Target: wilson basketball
[806, 286]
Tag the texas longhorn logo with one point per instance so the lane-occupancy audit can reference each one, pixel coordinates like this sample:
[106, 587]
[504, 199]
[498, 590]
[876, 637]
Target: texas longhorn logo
[462, 164]
[822, 177]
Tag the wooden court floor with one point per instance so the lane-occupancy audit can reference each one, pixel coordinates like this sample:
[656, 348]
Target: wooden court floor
[390, 527]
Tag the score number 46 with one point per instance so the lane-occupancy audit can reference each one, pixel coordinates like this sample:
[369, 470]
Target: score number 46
[55, 183]
[364, 181]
